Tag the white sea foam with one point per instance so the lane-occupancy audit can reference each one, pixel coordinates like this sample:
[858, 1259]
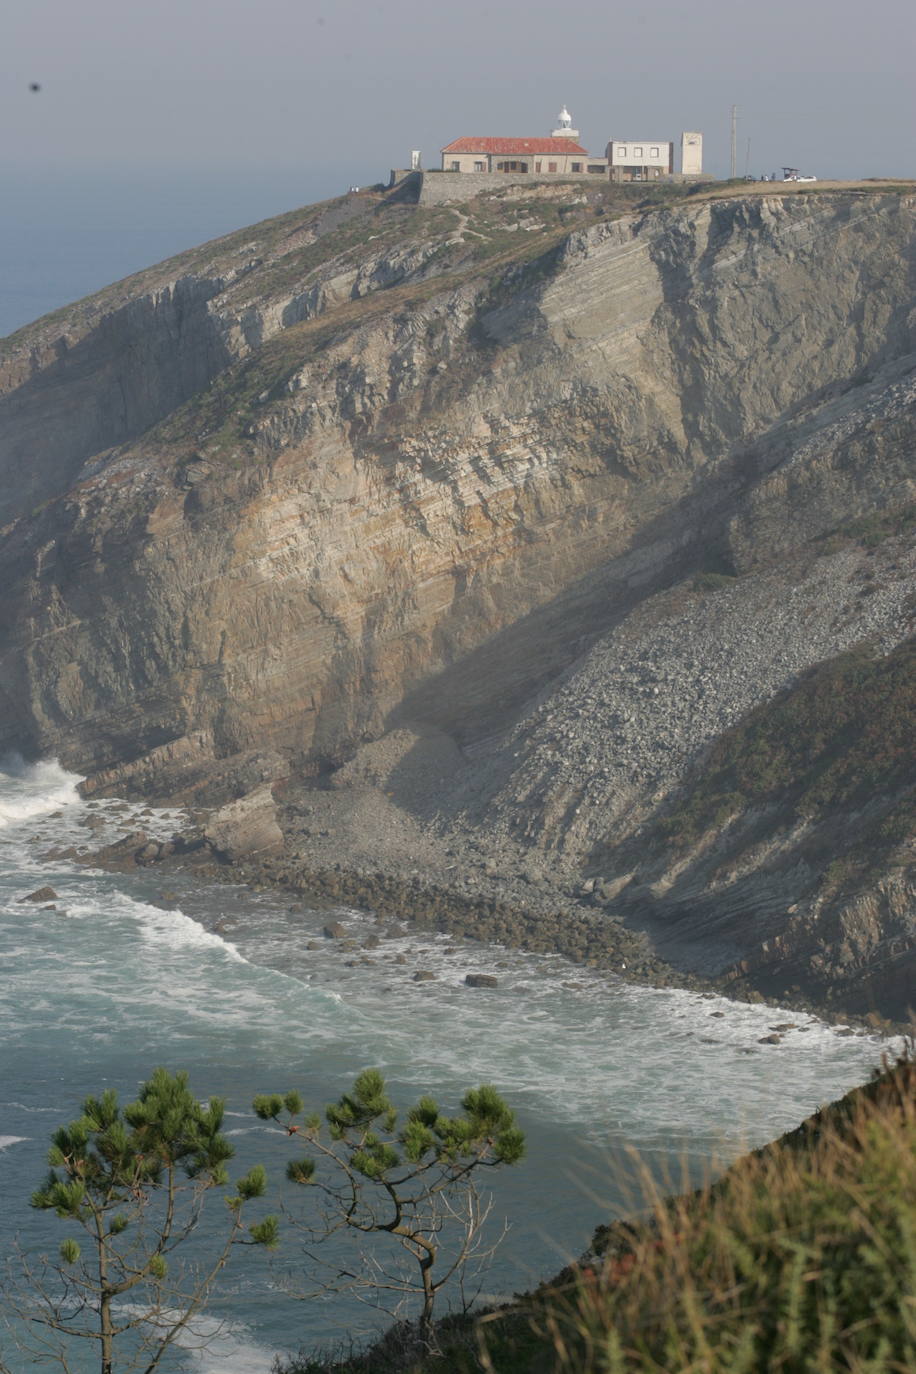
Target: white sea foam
[165, 928]
[7, 1140]
[33, 789]
[578, 1053]
[215, 1344]
[24, 1107]
[178, 931]
[232, 1352]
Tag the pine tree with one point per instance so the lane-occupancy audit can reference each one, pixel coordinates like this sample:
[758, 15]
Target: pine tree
[133, 1182]
[415, 1183]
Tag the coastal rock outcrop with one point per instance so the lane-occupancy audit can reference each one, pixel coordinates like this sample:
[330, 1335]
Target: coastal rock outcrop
[360, 502]
[509, 526]
[245, 827]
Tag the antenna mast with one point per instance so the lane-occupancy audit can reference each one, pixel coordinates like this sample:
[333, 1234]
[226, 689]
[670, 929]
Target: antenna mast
[734, 162]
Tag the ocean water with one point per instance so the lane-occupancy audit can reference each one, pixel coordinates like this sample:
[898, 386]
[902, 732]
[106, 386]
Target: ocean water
[67, 231]
[43, 268]
[130, 971]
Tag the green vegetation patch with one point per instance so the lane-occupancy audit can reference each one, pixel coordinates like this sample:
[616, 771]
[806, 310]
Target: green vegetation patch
[843, 734]
[870, 530]
[712, 581]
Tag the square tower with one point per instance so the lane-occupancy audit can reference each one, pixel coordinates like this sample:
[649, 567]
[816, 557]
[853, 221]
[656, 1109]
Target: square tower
[691, 154]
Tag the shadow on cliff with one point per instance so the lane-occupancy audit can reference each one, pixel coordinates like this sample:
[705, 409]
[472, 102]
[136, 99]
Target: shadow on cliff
[482, 692]
[133, 369]
[843, 343]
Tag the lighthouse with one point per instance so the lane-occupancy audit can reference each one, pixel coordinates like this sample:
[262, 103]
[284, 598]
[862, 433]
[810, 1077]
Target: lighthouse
[564, 127]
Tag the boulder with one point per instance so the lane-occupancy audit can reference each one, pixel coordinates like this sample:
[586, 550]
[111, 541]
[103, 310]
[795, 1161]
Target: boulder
[335, 931]
[245, 827]
[609, 888]
[423, 975]
[481, 980]
[41, 894]
[120, 854]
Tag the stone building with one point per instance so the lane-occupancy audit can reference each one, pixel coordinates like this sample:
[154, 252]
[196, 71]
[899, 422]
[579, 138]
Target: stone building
[560, 155]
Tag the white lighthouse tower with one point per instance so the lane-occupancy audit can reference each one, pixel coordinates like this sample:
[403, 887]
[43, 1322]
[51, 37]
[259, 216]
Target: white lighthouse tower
[564, 127]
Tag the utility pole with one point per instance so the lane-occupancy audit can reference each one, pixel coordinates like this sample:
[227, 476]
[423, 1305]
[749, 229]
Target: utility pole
[734, 162]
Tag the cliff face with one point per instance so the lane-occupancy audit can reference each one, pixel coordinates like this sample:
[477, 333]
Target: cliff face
[372, 464]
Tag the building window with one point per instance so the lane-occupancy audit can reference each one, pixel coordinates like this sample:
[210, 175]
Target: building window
[637, 152]
[551, 166]
[596, 167]
[479, 167]
[537, 166]
[456, 167]
[653, 152]
[621, 150]
[577, 167]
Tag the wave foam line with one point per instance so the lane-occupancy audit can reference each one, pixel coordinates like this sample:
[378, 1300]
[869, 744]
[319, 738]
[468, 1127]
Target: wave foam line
[34, 789]
[178, 931]
[215, 1343]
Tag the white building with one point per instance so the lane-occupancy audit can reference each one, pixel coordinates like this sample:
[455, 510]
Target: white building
[639, 159]
[647, 159]
[691, 154]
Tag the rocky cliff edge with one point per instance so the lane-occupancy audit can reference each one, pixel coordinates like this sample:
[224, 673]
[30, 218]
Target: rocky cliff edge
[566, 486]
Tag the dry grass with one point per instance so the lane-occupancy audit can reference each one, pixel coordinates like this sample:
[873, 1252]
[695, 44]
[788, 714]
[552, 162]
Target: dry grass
[801, 1259]
[870, 186]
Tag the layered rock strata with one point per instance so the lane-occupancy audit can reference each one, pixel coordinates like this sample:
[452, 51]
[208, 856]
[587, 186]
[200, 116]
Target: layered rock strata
[470, 473]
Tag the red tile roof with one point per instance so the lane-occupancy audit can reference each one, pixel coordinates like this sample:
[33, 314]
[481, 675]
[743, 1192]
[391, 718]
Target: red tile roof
[503, 146]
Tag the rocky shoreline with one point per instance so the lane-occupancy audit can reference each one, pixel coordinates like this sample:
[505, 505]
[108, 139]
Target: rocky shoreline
[538, 917]
[584, 937]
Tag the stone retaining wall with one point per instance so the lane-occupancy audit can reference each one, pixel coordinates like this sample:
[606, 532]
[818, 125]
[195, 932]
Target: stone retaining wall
[439, 188]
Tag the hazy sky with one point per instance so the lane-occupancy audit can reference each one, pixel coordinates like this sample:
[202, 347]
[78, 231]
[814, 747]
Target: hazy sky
[192, 116]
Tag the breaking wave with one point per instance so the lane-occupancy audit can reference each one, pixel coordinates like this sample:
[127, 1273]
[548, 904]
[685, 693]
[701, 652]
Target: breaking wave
[34, 789]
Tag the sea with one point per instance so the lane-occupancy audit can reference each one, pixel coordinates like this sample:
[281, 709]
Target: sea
[122, 972]
[68, 231]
